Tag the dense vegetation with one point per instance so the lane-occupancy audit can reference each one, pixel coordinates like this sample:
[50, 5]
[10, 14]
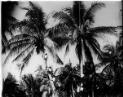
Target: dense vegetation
[74, 28]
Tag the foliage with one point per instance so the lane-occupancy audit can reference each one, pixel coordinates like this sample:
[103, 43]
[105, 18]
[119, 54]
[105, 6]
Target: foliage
[74, 27]
[67, 81]
[11, 88]
[33, 37]
[7, 20]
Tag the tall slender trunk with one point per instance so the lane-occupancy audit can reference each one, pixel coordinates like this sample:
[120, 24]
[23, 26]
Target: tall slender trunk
[81, 69]
[82, 61]
[93, 85]
[45, 63]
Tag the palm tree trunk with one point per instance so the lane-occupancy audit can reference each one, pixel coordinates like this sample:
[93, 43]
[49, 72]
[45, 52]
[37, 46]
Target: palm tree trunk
[81, 69]
[93, 84]
[45, 63]
[82, 61]
[93, 88]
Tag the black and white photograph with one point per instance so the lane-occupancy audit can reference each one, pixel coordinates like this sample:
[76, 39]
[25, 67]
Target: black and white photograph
[61, 48]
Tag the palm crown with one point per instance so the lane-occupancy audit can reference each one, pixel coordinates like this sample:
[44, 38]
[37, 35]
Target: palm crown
[78, 19]
[33, 36]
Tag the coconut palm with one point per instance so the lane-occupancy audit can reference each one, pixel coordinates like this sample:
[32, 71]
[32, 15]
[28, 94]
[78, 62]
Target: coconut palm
[33, 36]
[75, 26]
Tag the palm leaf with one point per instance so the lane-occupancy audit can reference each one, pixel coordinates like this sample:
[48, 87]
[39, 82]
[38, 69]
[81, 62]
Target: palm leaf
[27, 27]
[79, 49]
[64, 18]
[87, 51]
[60, 41]
[95, 46]
[59, 30]
[67, 48]
[20, 37]
[4, 44]
[15, 50]
[7, 21]
[36, 15]
[26, 59]
[91, 11]
[55, 56]
[30, 30]
[23, 53]
[103, 29]
[15, 44]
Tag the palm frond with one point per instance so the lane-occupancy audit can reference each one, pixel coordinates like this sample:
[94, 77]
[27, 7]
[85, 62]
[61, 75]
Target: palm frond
[54, 54]
[64, 18]
[14, 51]
[79, 50]
[60, 41]
[67, 48]
[87, 51]
[26, 59]
[30, 30]
[27, 26]
[22, 53]
[103, 29]
[59, 60]
[95, 47]
[36, 15]
[4, 44]
[22, 42]
[91, 11]
[59, 30]
[20, 37]
[6, 31]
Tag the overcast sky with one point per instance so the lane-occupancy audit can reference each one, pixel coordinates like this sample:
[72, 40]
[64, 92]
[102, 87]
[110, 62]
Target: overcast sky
[108, 16]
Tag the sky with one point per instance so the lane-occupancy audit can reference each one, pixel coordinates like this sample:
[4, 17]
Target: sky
[108, 16]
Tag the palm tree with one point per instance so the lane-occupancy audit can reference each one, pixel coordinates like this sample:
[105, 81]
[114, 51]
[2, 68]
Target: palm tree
[75, 26]
[75, 22]
[33, 36]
